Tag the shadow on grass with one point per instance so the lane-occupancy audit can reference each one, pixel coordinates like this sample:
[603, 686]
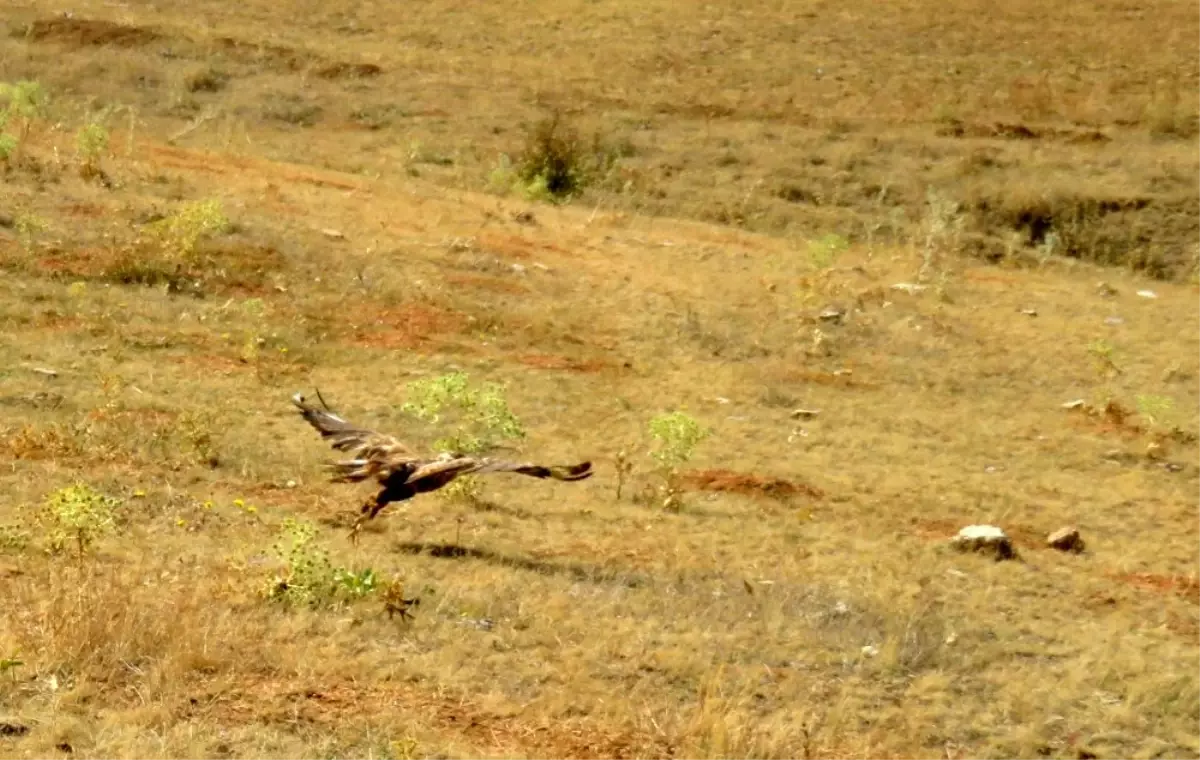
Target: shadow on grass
[574, 570]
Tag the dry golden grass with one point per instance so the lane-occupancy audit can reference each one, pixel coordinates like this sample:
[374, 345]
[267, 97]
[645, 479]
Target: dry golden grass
[802, 602]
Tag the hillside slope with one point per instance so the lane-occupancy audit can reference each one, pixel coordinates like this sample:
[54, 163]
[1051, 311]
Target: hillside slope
[799, 602]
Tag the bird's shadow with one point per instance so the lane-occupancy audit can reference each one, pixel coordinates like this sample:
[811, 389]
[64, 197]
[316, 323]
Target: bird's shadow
[577, 571]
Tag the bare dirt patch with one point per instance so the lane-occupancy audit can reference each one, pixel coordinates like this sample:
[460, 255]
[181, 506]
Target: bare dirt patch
[1184, 586]
[409, 326]
[749, 484]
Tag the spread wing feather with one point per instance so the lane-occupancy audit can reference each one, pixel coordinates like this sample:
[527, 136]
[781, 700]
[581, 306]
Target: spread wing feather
[455, 466]
[372, 454]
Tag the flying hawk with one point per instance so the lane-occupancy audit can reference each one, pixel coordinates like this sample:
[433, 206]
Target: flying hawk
[400, 471]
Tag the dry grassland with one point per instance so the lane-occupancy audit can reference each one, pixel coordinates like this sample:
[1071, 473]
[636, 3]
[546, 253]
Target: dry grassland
[801, 602]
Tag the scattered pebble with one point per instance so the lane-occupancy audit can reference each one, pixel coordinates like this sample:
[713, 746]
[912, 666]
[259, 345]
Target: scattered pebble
[832, 314]
[1029, 312]
[333, 234]
[805, 414]
[908, 287]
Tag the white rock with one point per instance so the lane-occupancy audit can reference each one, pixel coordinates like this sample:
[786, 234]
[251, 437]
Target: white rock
[1147, 294]
[908, 287]
[805, 414]
[985, 539]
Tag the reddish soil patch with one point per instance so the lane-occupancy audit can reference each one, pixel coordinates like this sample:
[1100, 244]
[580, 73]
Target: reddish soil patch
[748, 484]
[1111, 419]
[223, 163]
[85, 262]
[1185, 586]
[511, 246]
[408, 326]
[58, 322]
[82, 32]
[83, 209]
[548, 361]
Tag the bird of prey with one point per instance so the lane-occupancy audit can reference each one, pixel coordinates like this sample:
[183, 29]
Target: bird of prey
[402, 473]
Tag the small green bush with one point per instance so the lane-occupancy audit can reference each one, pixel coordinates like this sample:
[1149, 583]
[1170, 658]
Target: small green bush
[676, 436]
[77, 515]
[556, 164]
[479, 419]
[308, 577]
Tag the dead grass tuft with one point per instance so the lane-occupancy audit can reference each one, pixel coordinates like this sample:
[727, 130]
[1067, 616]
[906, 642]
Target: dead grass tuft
[81, 32]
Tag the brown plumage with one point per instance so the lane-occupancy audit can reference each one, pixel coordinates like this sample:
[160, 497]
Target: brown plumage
[400, 471]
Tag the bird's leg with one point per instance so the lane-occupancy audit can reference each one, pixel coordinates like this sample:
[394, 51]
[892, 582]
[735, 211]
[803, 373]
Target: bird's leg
[369, 509]
[354, 529]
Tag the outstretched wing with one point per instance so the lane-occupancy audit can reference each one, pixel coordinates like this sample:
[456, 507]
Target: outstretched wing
[445, 469]
[372, 454]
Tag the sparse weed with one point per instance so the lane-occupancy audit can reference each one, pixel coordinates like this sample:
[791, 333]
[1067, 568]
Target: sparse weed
[1105, 357]
[8, 146]
[482, 413]
[79, 515]
[10, 664]
[91, 142]
[180, 232]
[481, 420]
[676, 436]
[823, 252]
[1154, 409]
[196, 428]
[23, 103]
[28, 227]
[13, 538]
[624, 468]
[941, 228]
[309, 578]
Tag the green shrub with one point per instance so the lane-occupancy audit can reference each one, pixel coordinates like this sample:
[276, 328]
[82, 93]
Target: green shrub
[478, 419]
[77, 515]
